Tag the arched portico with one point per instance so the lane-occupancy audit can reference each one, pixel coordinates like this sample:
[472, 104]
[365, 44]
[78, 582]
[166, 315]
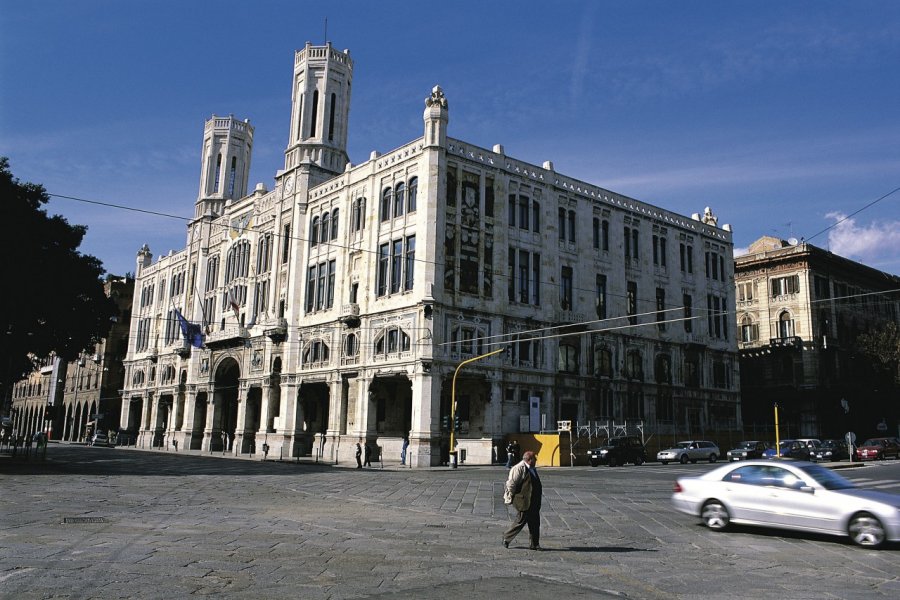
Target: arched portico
[221, 420]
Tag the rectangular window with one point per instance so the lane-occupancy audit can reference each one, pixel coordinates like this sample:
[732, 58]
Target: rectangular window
[631, 302]
[410, 262]
[660, 309]
[604, 239]
[383, 266]
[572, 226]
[523, 276]
[396, 265]
[634, 244]
[285, 244]
[596, 233]
[512, 210]
[785, 285]
[320, 293]
[524, 210]
[561, 224]
[626, 239]
[310, 289]
[688, 302]
[488, 197]
[511, 277]
[329, 294]
[565, 289]
[536, 279]
[601, 296]
[535, 216]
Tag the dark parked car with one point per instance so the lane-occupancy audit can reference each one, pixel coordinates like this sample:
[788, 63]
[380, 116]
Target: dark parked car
[878, 449]
[748, 450]
[832, 450]
[618, 451]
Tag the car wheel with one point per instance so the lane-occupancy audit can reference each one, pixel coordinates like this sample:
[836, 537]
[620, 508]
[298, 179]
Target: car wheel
[684, 459]
[612, 461]
[693, 462]
[715, 515]
[638, 461]
[594, 463]
[713, 458]
[866, 530]
[665, 462]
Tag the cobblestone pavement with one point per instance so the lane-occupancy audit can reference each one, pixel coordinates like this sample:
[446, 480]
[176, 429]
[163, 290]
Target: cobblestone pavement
[122, 523]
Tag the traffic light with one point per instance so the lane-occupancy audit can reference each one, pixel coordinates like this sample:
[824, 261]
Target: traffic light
[457, 425]
[445, 423]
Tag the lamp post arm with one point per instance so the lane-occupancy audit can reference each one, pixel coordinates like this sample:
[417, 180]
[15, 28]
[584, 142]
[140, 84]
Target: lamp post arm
[453, 392]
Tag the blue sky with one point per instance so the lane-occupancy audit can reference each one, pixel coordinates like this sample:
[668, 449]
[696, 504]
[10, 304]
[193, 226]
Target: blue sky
[784, 117]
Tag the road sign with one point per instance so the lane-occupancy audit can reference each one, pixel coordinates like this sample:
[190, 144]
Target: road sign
[851, 438]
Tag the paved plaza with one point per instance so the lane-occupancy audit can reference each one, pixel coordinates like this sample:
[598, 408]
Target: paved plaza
[126, 523]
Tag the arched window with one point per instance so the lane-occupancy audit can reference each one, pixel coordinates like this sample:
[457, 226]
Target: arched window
[413, 190]
[785, 325]
[399, 197]
[603, 362]
[663, 368]
[634, 367]
[749, 330]
[314, 232]
[334, 224]
[326, 228]
[357, 219]
[386, 204]
[568, 358]
[351, 345]
[315, 353]
[391, 341]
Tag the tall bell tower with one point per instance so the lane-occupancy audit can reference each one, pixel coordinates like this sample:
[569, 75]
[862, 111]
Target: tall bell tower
[225, 163]
[320, 110]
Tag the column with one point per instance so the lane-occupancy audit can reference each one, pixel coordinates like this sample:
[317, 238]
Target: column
[189, 404]
[424, 438]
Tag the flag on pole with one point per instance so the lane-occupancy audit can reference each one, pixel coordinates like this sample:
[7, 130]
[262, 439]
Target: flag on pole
[234, 304]
[192, 332]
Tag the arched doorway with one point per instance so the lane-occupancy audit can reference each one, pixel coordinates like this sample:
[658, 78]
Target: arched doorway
[225, 405]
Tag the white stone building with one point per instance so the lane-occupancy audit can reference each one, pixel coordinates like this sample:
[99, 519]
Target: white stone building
[338, 306]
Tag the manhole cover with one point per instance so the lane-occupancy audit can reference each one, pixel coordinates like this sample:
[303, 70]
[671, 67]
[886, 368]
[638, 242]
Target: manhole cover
[76, 520]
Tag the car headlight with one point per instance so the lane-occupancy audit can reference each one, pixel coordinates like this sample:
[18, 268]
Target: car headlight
[602, 452]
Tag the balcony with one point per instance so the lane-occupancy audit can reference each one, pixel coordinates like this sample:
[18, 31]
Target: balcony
[349, 315]
[231, 335]
[276, 330]
[787, 342]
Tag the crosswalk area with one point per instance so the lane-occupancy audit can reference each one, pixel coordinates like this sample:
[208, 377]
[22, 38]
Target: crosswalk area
[890, 485]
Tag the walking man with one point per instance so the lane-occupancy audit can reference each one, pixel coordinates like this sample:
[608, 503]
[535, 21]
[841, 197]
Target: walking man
[368, 461]
[358, 456]
[523, 491]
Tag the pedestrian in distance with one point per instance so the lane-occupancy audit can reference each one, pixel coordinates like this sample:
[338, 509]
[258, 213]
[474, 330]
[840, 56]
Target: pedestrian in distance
[523, 491]
[512, 453]
[403, 450]
[358, 456]
[368, 461]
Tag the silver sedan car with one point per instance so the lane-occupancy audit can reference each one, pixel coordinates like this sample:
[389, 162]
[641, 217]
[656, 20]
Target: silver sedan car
[789, 495]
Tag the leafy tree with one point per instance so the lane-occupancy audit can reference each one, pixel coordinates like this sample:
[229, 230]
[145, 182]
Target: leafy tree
[53, 298]
[882, 345]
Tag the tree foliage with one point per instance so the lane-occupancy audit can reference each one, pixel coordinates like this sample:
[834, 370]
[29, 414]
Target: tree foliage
[882, 345]
[53, 299]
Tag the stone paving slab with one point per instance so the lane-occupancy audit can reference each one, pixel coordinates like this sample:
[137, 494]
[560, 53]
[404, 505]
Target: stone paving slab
[180, 525]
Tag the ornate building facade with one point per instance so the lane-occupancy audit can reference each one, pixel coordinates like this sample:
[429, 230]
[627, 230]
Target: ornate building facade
[337, 307]
[800, 310]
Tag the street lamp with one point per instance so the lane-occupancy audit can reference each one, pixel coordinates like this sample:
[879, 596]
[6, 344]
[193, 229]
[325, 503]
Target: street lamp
[453, 402]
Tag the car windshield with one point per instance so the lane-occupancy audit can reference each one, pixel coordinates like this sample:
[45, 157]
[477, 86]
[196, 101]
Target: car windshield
[830, 444]
[872, 443]
[827, 478]
[683, 445]
[747, 445]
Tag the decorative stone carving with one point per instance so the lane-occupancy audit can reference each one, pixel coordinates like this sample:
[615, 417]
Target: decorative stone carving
[437, 97]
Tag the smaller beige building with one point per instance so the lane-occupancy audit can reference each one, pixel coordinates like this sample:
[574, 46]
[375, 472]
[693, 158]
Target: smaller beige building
[799, 311]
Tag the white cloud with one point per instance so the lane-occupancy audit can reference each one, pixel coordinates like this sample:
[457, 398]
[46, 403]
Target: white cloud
[740, 251]
[872, 244]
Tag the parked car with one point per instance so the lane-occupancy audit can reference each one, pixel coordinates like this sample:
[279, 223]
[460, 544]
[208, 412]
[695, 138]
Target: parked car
[800, 449]
[772, 451]
[618, 451]
[748, 450]
[878, 449]
[832, 451]
[789, 495]
[99, 439]
[690, 451]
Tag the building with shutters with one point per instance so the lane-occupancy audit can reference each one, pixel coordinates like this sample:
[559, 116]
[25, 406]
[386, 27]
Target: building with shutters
[799, 312]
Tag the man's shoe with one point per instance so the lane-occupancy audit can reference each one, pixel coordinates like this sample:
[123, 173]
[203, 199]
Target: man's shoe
[505, 544]
[535, 548]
